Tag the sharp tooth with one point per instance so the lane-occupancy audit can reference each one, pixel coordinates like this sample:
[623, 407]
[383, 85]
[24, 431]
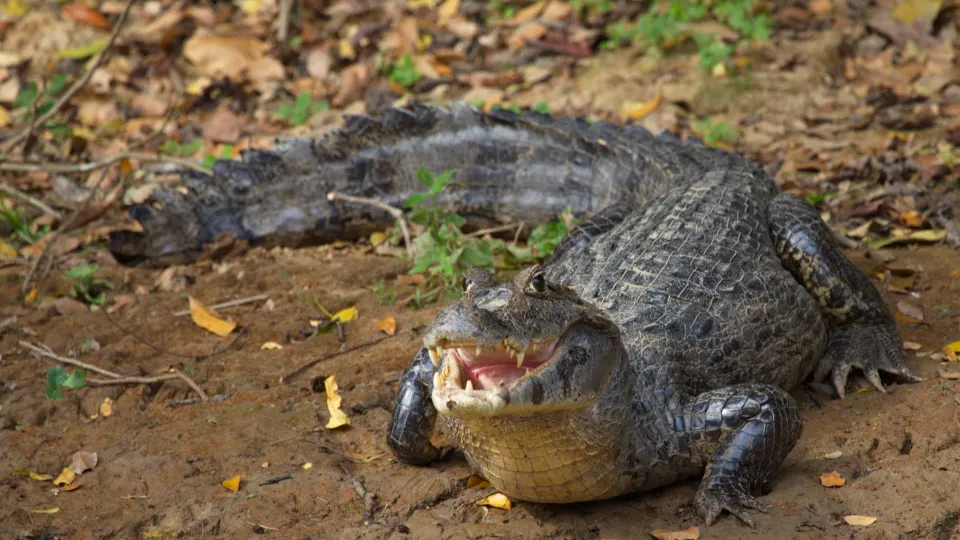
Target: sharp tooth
[520, 359]
[436, 379]
[511, 352]
[434, 356]
[479, 350]
[469, 386]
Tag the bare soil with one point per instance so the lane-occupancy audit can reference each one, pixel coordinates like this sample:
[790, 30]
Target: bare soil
[161, 467]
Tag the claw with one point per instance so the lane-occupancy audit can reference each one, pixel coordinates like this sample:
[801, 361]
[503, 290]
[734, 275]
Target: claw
[873, 376]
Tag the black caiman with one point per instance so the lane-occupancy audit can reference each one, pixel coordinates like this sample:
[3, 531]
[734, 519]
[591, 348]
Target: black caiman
[659, 341]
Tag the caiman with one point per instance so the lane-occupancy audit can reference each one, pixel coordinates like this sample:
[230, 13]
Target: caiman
[658, 343]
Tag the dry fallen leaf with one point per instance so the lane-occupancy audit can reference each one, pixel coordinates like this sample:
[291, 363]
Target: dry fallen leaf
[388, 325]
[497, 500]
[833, 455]
[532, 31]
[270, 346]
[307, 466]
[950, 353]
[859, 520]
[693, 533]
[949, 375]
[337, 417]
[233, 484]
[908, 313]
[345, 315]
[45, 511]
[207, 319]
[477, 482]
[71, 487]
[227, 56]
[33, 475]
[67, 476]
[911, 346]
[106, 408]
[85, 15]
[447, 10]
[83, 461]
[635, 110]
[832, 479]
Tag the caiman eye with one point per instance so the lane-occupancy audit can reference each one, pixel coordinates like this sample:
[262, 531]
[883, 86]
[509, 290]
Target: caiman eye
[538, 283]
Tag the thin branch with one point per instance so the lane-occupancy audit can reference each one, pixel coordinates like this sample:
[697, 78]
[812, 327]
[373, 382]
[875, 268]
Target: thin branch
[493, 230]
[286, 378]
[33, 201]
[90, 166]
[395, 212]
[231, 303]
[369, 498]
[115, 378]
[78, 85]
[283, 21]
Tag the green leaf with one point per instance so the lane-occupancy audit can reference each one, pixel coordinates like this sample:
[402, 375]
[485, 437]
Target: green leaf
[26, 96]
[76, 379]
[56, 376]
[425, 177]
[441, 181]
[83, 272]
[416, 199]
[53, 393]
[477, 257]
[82, 52]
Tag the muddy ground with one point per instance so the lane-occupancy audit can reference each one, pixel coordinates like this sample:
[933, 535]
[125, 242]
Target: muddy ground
[161, 466]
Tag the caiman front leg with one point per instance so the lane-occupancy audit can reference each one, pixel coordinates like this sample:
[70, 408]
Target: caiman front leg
[863, 332]
[414, 414]
[742, 433]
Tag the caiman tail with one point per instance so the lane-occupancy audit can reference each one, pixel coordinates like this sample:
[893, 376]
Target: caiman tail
[524, 167]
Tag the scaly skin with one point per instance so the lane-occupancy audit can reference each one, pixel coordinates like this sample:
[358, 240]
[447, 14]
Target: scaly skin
[692, 299]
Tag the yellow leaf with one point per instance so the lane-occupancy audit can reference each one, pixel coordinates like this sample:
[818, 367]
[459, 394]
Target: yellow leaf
[693, 533]
[67, 476]
[497, 500]
[6, 250]
[447, 10]
[388, 325]
[32, 295]
[477, 482]
[930, 235]
[71, 487]
[345, 50]
[31, 474]
[377, 238]
[909, 11]
[950, 353]
[337, 417]
[15, 8]
[270, 346]
[307, 466]
[912, 346]
[345, 315]
[859, 520]
[106, 408]
[84, 51]
[955, 346]
[207, 319]
[233, 484]
[45, 511]
[84, 133]
[251, 7]
[5, 119]
[635, 110]
[414, 4]
[832, 479]
[197, 86]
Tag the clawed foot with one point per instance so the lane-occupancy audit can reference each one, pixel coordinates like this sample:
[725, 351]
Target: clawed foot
[871, 348]
[711, 502]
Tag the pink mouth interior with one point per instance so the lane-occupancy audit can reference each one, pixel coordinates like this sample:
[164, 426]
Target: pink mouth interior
[494, 368]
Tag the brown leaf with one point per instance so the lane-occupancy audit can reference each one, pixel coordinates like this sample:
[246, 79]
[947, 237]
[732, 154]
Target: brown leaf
[447, 10]
[222, 126]
[693, 533]
[528, 13]
[912, 313]
[225, 56]
[860, 520]
[83, 461]
[69, 306]
[949, 375]
[319, 61]
[557, 11]
[529, 32]
[84, 14]
[832, 479]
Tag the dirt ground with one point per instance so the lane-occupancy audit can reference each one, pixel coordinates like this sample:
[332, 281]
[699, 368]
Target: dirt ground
[161, 466]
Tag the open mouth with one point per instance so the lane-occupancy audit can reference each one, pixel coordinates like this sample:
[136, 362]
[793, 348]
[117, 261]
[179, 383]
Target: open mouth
[470, 366]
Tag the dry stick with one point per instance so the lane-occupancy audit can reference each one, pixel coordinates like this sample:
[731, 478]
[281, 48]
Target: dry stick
[115, 378]
[33, 201]
[78, 85]
[231, 303]
[283, 21]
[493, 230]
[395, 212]
[369, 498]
[286, 378]
[67, 168]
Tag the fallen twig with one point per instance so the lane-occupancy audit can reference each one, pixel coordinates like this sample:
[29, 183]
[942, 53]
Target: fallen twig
[90, 166]
[370, 503]
[193, 401]
[286, 378]
[492, 230]
[283, 21]
[260, 529]
[33, 201]
[276, 480]
[115, 378]
[76, 86]
[231, 303]
[395, 212]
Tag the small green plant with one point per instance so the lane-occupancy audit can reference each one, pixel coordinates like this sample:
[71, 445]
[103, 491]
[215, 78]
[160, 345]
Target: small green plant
[21, 226]
[600, 6]
[304, 107]
[501, 11]
[712, 51]
[176, 149]
[87, 287]
[58, 378]
[30, 91]
[404, 73]
[225, 153]
[716, 132]
[543, 107]
[387, 297]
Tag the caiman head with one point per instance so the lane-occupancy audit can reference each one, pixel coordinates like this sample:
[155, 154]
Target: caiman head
[535, 382]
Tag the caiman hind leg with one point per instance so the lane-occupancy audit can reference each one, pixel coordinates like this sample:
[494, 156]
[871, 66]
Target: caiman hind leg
[863, 333]
[742, 433]
[414, 414]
